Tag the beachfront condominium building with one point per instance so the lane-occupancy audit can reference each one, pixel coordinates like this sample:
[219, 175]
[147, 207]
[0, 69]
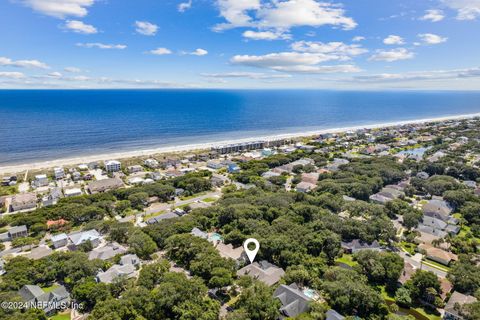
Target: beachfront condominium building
[59, 173]
[239, 147]
[113, 166]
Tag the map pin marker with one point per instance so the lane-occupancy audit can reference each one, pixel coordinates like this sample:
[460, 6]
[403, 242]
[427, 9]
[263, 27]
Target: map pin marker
[251, 253]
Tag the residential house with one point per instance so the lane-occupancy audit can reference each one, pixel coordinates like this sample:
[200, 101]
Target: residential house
[56, 223]
[438, 255]
[232, 168]
[229, 252]
[130, 259]
[78, 238]
[58, 173]
[33, 295]
[199, 233]
[163, 216]
[52, 198]
[305, 187]
[40, 252]
[104, 185]
[437, 208]
[113, 166]
[294, 301]
[455, 303]
[215, 164]
[311, 177]
[23, 201]
[115, 271]
[388, 193]
[14, 233]
[59, 240]
[358, 245]
[333, 315]
[107, 252]
[219, 180]
[407, 273]
[41, 180]
[73, 192]
[263, 271]
[151, 163]
[135, 168]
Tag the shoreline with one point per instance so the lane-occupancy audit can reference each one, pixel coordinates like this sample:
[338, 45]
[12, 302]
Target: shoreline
[47, 164]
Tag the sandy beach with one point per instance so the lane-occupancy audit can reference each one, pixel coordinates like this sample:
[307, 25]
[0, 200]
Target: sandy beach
[207, 146]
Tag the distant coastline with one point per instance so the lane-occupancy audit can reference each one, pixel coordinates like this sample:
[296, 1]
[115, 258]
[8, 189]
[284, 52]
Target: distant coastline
[12, 168]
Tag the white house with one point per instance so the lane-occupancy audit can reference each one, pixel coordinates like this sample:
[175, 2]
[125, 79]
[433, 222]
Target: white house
[113, 166]
[59, 173]
[151, 163]
[41, 180]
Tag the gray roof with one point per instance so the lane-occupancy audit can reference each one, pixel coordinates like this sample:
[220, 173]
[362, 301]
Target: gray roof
[165, 216]
[129, 259]
[357, 244]
[263, 271]
[199, 233]
[293, 300]
[59, 237]
[78, 238]
[107, 252]
[29, 292]
[459, 298]
[40, 252]
[17, 229]
[115, 271]
[334, 315]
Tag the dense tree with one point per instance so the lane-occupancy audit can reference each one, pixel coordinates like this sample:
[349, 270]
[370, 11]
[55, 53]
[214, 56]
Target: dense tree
[258, 303]
[141, 244]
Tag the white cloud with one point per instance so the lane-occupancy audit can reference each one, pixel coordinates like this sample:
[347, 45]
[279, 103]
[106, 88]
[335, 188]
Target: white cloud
[249, 75]
[22, 63]
[393, 40]
[12, 75]
[146, 28]
[358, 39]
[392, 55]
[198, 52]
[101, 45]
[306, 57]
[160, 51]
[80, 27]
[55, 74]
[72, 69]
[60, 8]
[433, 15]
[342, 68]
[340, 49]
[466, 9]
[265, 35]
[421, 75]
[294, 62]
[281, 15]
[430, 38]
[184, 6]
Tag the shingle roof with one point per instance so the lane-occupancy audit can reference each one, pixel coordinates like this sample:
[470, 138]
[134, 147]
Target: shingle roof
[293, 300]
[264, 271]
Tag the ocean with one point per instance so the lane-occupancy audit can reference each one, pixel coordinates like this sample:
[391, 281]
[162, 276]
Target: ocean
[41, 125]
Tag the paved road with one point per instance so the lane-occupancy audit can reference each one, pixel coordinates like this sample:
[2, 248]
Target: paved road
[158, 207]
[416, 261]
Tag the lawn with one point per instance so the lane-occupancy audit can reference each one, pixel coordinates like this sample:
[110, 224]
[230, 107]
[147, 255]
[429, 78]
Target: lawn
[408, 247]
[151, 215]
[61, 316]
[51, 288]
[346, 259]
[435, 264]
[209, 200]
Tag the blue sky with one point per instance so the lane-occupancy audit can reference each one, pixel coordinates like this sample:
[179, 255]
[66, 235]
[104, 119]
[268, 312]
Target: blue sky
[346, 44]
